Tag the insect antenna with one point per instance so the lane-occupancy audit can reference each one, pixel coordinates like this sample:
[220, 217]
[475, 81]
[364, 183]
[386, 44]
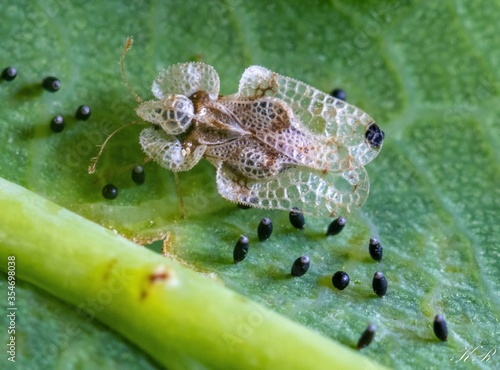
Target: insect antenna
[93, 163]
[128, 45]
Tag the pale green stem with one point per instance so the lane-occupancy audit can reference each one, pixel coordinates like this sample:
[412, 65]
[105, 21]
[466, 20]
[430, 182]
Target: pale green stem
[182, 319]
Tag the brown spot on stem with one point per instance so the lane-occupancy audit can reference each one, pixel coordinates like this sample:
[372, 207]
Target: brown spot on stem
[107, 273]
[160, 274]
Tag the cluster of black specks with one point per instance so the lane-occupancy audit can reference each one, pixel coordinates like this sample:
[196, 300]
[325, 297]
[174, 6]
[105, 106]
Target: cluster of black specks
[9, 73]
[379, 284]
[440, 327]
[109, 191]
[374, 135]
[336, 226]
[375, 249]
[340, 280]
[297, 218]
[83, 113]
[339, 94]
[367, 336]
[57, 124]
[138, 175]
[51, 84]
[265, 229]
[301, 265]
[240, 249]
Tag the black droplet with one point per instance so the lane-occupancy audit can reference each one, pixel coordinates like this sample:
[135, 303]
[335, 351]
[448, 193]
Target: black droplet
[9, 73]
[374, 135]
[366, 338]
[138, 175]
[300, 266]
[57, 124]
[244, 206]
[440, 327]
[336, 226]
[375, 249]
[83, 112]
[379, 284]
[265, 229]
[297, 218]
[51, 84]
[339, 94]
[110, 191]
[240, 249]
[340, 280]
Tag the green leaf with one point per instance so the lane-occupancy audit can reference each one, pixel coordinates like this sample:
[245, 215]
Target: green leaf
[427, 72]
[179, 317]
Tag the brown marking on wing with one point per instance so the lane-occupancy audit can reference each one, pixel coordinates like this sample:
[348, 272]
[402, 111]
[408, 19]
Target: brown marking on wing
[200, 100]
[262, 90]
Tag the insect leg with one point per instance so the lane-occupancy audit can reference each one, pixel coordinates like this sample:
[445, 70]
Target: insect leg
[179, 193]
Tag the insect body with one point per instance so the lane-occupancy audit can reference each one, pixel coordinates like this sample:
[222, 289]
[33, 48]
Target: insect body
[276, 144]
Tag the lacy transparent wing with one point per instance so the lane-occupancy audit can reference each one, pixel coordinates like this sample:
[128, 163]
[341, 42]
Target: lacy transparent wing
[173, 113]
[315, 193]
[273, 122]
[250, 159]
[320, 113]
[186, 79]
[167, 150]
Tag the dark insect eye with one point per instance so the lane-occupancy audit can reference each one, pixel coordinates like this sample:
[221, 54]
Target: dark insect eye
[9, 73]
[297, 218]
[57, 124]
[340, 280]
[336, 226]
[83, 112]
[51, 84]
[375, 249]
[138, 175]
[339, 94]
[379, 284]
[240, 249]
[265, 229]
[366, 337]
[109, 191]
[374, 135]
[300, 266]
[440, 327]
